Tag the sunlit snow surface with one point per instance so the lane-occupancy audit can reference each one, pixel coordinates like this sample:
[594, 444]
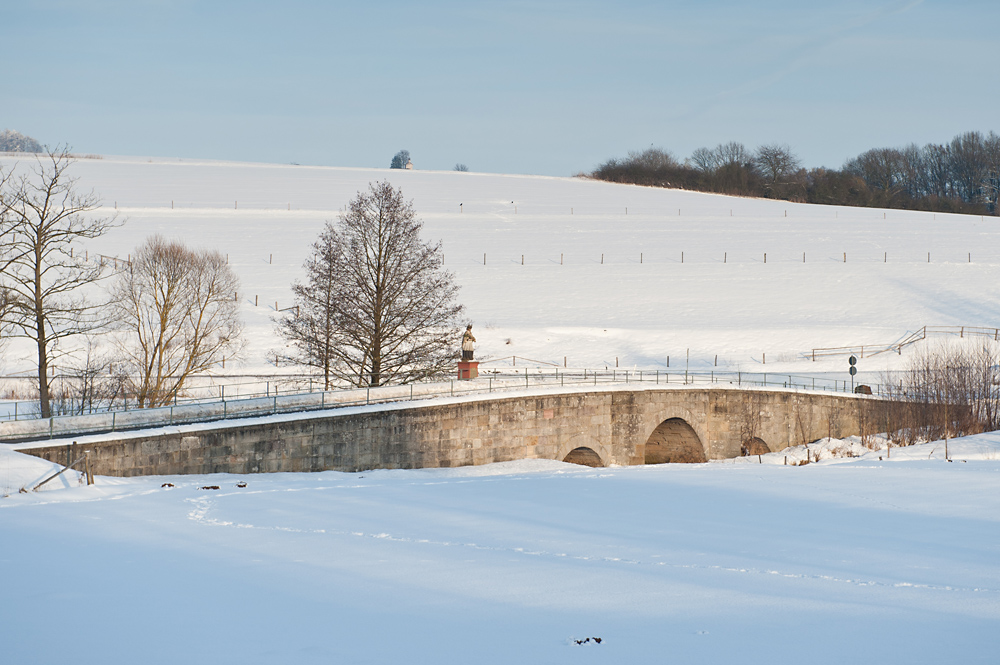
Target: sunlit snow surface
[640, 305]
[856, 560]
[750, 561]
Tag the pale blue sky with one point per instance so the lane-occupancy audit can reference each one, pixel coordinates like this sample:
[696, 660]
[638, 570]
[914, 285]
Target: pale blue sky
[520, 87]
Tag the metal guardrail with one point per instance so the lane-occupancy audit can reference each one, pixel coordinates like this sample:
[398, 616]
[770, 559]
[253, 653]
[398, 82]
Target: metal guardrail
[495, 382]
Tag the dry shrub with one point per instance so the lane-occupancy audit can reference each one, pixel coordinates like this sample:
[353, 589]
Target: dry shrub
[945, 391]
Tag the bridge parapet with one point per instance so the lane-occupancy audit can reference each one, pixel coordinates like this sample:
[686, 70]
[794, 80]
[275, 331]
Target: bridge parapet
[29, 426]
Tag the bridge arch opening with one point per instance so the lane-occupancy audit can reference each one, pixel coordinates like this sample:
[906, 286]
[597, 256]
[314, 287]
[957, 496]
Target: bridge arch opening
[585, 456]
[674, 441]
[755, 446]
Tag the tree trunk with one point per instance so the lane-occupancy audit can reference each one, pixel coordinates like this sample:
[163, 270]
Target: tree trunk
[376, 372]
[43, 367]
[43, 379]
[44, 405]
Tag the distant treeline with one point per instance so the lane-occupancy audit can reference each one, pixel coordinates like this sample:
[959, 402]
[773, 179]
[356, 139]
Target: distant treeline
[960, 176]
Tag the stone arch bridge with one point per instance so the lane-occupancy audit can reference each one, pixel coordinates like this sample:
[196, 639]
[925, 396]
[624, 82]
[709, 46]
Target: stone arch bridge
[597, 427]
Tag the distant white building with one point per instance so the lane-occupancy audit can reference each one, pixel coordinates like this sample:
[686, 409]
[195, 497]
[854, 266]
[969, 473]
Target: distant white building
[409, 165]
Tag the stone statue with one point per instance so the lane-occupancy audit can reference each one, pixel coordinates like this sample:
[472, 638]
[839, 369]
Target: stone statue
[468, 343]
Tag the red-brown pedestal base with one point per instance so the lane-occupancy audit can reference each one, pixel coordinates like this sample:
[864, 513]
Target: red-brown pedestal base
[468, 369]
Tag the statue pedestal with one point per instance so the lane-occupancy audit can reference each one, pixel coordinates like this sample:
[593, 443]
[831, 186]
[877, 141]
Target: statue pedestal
[468, 369]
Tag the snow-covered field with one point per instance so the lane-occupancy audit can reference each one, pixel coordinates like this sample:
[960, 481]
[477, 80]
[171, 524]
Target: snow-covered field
[844, 560]
[641, 305]
[849, 559]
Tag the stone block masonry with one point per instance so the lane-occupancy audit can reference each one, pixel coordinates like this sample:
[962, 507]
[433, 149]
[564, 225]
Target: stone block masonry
[616, 426]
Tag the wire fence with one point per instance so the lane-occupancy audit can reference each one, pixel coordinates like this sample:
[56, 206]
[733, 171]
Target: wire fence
[909, 338]
[20, 420]
[20, 428]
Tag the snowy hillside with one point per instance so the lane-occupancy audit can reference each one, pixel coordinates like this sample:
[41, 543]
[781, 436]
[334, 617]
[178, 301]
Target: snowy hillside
[640, 305]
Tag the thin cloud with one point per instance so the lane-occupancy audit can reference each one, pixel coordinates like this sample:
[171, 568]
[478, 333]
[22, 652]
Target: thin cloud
[801, 57]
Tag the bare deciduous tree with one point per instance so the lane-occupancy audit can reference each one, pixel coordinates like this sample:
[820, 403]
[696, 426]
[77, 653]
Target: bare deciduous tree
[704, 160]
[653, 158]
[733, 153]
[378, 306]
[991, 181]
[313, 330]
[881, 168]
[937, 170]
[44, 218]
[969, 165]
[179, 315]
[776, 163]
